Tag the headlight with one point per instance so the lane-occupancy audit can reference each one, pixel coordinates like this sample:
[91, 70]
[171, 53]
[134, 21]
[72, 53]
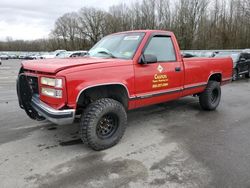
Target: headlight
[52, 92]
[52, 82]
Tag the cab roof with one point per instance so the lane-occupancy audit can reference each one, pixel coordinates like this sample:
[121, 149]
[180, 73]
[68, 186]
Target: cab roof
[146, 31]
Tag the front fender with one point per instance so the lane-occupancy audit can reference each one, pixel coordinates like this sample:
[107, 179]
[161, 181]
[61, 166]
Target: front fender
[79, 79]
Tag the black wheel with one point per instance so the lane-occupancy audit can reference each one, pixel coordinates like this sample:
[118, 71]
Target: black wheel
[210, 98]
[103, 124]
[235, 75]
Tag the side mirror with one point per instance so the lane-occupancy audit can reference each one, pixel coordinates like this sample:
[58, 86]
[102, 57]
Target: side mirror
[147, 59]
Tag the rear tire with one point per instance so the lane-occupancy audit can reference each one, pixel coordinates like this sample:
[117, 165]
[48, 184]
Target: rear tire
[103, 124]
[210, 98]
[235, 75]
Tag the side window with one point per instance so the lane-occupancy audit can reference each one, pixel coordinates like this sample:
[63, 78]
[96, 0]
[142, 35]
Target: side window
[162, 47]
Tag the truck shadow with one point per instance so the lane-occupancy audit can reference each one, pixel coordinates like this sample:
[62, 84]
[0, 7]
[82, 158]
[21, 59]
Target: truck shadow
[67, 135]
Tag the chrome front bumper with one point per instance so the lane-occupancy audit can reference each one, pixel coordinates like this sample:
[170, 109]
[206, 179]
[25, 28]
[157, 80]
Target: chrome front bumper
[59, 117]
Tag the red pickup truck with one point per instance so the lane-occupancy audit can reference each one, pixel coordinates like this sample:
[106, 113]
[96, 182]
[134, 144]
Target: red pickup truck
[123, 71]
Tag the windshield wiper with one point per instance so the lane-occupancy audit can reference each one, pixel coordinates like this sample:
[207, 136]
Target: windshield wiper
[108, 53]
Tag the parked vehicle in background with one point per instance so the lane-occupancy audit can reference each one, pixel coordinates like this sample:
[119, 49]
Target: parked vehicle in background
[70, 54]
[198, 53]
[25, 56]
[34, 56]
[4, 56]
[22, 56]
[51, 55]
[123, 71]
[187, 55]
[246, 50]
[223, 53]
[241, 63]
[206, 54]
[48, 55]
[13, 56]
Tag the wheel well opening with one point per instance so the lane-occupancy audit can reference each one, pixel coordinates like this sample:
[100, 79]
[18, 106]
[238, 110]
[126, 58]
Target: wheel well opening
[215, 77]
[116, 92]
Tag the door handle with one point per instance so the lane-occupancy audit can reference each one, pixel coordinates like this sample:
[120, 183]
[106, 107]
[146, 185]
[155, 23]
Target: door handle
[177, 69]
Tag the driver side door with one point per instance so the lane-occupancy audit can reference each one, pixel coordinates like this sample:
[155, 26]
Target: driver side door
[162, 80]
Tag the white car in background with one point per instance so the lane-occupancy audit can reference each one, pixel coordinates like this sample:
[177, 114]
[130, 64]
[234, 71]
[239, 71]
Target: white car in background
[35, 56]
[70, 54]
[246, 50]
[4, 56]
[51, 55]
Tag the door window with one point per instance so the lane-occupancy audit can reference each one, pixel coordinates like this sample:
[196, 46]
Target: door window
[162, 47]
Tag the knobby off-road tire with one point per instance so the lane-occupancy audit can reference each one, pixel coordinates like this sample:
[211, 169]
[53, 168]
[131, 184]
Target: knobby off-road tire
[210, 98]
[103, 124]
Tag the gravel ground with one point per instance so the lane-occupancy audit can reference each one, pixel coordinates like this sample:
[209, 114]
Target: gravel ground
[174, 144]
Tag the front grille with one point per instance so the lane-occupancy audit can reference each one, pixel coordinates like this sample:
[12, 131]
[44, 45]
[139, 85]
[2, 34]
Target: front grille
[27, 86]
[33, 83]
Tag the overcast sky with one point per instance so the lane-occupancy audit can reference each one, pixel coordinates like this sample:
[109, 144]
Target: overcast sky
[33, 19]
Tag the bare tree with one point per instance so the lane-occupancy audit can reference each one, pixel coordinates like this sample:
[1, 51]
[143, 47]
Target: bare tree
[92, 23]
[119, 18]
[187, 19]
[163, 14]
[198, 24]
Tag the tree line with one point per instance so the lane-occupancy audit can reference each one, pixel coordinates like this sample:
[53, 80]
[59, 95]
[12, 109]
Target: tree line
[197, 24]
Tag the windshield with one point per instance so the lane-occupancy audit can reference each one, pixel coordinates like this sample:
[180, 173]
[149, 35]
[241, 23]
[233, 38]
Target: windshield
[121, 46]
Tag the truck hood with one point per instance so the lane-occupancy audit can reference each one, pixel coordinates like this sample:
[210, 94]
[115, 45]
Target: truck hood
[56, 65]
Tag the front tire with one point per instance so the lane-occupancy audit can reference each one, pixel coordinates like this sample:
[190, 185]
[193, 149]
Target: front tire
[210, 98]
[103, 124]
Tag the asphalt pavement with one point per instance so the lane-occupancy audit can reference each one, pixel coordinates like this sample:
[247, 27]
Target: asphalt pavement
[173, 144]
